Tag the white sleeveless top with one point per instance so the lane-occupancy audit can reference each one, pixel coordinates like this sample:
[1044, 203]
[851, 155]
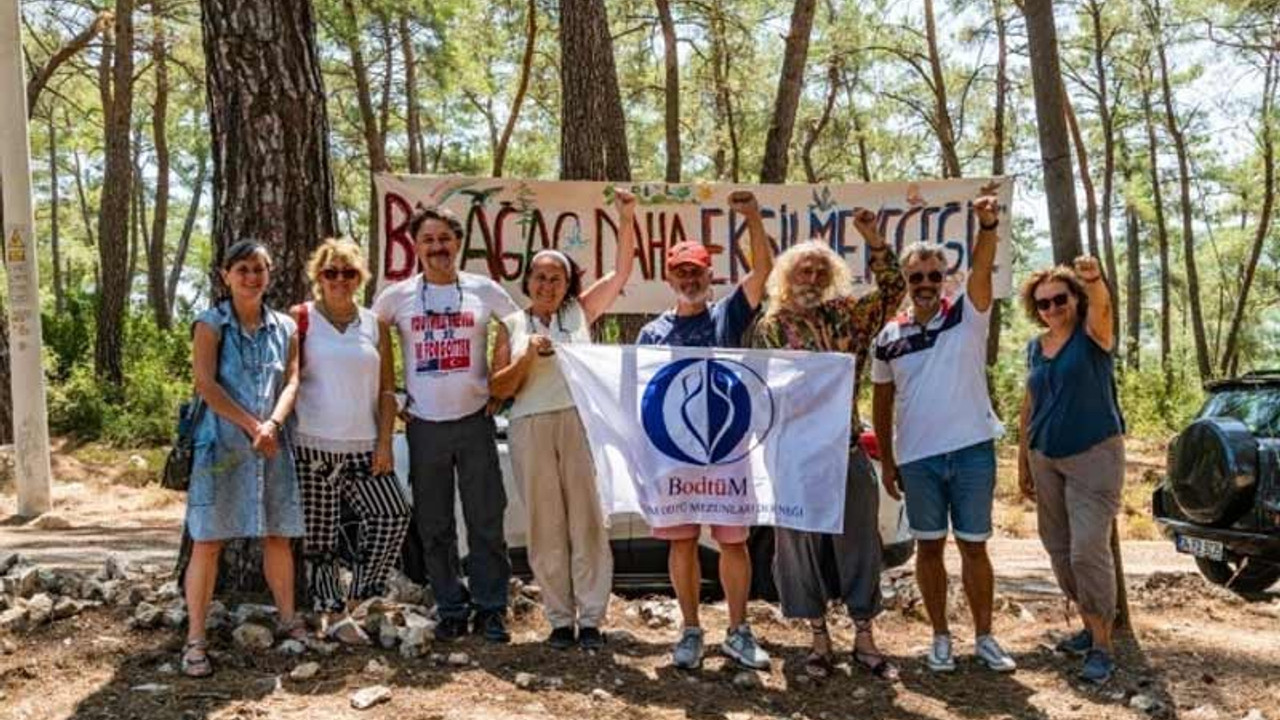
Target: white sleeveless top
[544, 389]
[337, 406]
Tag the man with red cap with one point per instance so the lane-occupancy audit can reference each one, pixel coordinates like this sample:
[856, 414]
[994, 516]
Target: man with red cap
[697, 322]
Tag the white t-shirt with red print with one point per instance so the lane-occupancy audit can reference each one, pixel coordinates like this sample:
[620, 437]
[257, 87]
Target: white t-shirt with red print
[444, 335]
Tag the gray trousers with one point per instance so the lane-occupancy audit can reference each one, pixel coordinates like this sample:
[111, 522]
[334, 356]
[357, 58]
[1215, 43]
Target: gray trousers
[811, 569]
[1077, 497]
[469, 447]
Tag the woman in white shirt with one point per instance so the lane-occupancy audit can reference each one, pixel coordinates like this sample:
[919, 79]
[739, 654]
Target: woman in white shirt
[568, 543]
[346, 414]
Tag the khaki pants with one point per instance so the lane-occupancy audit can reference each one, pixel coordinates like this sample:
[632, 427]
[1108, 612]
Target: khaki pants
[568, 543]
[1077, 497]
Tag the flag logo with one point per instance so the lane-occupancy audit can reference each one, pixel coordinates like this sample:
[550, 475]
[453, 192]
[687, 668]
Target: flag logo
[704, 411]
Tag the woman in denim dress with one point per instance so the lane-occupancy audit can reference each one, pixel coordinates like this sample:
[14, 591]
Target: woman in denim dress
[243, 482]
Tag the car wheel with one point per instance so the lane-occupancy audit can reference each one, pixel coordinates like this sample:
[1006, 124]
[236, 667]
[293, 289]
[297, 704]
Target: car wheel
[1255, 577]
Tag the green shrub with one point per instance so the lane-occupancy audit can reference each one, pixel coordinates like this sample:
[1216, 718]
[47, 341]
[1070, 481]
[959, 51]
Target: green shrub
[140, 412]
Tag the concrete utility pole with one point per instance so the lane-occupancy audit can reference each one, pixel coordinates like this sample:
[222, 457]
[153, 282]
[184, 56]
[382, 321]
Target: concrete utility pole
[30, 418]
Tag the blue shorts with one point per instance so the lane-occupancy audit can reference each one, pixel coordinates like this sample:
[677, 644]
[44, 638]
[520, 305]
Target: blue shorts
[959, 484]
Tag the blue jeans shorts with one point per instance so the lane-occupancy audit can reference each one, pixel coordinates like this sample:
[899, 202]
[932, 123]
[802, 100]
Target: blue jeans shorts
[957, 485]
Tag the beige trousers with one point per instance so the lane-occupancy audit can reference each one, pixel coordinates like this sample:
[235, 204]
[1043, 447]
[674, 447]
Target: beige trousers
[568, 543]
[1077, 497]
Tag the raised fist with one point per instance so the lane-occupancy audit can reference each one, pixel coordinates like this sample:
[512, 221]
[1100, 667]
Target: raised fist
[865, 222]
[987, 208]
[1087, 268]
[744, 202]
[624, 201]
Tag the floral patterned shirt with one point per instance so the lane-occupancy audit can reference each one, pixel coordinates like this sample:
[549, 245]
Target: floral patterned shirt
[844, 324]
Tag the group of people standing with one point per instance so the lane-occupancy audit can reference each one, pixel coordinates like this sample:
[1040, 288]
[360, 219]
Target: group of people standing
[304, 405]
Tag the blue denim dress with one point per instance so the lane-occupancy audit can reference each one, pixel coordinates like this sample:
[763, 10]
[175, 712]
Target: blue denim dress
[236, 492]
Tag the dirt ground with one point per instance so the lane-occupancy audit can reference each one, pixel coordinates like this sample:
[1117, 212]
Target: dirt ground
[1195, 652]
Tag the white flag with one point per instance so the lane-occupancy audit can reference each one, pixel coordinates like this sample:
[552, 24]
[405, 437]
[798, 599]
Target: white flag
[718, 436]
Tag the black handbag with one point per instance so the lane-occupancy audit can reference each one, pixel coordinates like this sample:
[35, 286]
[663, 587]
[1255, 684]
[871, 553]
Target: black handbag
[177, 465]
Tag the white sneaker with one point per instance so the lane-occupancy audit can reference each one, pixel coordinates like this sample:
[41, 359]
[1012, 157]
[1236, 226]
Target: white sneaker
[989, 653]
[741, 645]
[687, 654]
[940, 659]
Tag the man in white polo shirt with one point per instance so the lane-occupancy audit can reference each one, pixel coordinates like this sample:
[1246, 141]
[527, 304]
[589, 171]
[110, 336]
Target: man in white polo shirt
[442, 316]
[937, 431]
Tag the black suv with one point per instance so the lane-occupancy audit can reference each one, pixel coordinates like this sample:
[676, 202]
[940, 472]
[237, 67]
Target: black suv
[1220, 500]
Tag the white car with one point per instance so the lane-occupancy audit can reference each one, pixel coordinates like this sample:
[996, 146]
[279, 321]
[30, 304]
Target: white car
[640, 560]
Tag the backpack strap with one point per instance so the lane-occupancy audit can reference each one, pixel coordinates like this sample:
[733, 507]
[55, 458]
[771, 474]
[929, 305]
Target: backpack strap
[304, 322]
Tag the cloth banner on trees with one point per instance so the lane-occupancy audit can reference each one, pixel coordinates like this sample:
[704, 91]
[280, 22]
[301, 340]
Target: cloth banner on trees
[506, 221]
[706, 435]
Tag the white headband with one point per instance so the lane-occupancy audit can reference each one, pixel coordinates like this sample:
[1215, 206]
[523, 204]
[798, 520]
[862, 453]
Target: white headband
[564, 259]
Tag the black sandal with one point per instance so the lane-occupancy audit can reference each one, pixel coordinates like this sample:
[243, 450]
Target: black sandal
[875, 662]
[818, 665]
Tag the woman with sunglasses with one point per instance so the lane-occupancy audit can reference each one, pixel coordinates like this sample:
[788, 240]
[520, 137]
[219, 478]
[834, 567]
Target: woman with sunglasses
[346, 415]
[568, 542]
[242, 477]
[1071, 446]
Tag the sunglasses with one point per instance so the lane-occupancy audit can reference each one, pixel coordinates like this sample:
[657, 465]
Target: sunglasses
[335, 273]
[1058, 300]
[916, 278]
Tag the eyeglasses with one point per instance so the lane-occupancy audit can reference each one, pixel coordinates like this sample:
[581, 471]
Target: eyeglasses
[335, 273]
[1058, 300]
[916, 278]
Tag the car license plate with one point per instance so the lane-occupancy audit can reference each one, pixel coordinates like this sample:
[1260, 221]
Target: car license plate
[1199, 547]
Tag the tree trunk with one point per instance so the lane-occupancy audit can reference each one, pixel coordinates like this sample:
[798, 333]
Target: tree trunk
[997, 161]
[156, 293]
[817, 126]
[1162, 240]
[6, 377]
[1133, 301]
[1264, 216]
[86, 216]
[117, 191]
[271, 177]
[375, 141]
[777, 144]
[942, 114]
[55, 203]
[721, 67]
[413, 114]
[671, 62]
[1203, 363]
[188, 226]
[593, 132]
[1055, 149]
[1107, 121]
[1086, 179]
[526, 69]
[140, 239]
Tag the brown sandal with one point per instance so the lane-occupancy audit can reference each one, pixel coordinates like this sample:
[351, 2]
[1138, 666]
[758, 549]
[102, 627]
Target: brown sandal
[873, 661]
[195, 659]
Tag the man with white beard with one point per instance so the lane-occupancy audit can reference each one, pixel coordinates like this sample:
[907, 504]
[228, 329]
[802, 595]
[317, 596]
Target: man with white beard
[812, 307]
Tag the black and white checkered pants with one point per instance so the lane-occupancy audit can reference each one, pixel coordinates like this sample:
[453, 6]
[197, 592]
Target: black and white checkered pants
[327, 479]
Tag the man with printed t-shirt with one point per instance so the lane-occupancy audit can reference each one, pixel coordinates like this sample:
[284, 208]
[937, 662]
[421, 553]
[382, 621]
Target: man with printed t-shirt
[697, 322]
[442, 316]
[937, 431]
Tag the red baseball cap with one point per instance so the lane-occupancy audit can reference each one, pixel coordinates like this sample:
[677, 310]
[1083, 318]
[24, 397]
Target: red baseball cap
[688, 252]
